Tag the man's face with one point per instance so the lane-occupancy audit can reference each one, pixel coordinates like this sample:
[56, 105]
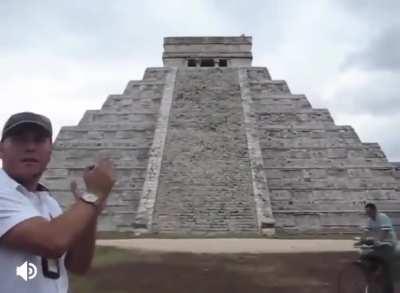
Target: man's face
[25, 153]
[371, 213]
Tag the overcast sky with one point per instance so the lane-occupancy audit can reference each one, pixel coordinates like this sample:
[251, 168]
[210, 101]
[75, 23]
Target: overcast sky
[61, 57]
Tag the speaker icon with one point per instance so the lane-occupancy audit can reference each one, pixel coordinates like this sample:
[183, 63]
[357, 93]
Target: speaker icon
[27, 271]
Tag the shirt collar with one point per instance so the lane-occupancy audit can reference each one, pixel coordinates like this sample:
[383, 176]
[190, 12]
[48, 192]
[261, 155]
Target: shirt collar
[8, 181]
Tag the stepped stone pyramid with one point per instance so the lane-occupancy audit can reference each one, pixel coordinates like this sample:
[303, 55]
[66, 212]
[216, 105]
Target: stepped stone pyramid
[210, 145]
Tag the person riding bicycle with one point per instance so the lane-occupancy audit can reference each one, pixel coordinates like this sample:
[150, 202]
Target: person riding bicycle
[381, 236]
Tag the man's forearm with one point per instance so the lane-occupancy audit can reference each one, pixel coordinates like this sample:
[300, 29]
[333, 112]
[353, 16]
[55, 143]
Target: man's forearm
[51, 238]
[80, 255]
[71, 225]
[383, 235]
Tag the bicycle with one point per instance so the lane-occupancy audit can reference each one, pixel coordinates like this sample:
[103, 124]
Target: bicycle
[365, 275]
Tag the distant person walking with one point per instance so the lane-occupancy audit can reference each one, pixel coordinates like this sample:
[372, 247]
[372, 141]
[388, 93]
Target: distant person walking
[381, 234]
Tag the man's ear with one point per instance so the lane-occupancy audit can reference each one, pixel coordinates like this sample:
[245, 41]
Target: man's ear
[1, 150]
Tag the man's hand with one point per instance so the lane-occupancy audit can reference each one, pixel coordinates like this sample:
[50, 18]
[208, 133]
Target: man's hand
[99, 179]
[75, 190]
[78, 194]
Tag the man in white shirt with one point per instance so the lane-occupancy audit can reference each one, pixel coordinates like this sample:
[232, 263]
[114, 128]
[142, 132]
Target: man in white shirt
[39, 243]
[380, 230]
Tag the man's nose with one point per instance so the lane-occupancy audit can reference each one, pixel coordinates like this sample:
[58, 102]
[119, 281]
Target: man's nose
[30, 145]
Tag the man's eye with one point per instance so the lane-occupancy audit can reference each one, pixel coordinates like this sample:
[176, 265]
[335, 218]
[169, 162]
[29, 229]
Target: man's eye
[22, 139]
[18, 139]
[40, 139]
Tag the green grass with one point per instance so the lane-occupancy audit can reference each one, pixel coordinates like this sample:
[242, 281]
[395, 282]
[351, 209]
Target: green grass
[104, 257]
[125, 271]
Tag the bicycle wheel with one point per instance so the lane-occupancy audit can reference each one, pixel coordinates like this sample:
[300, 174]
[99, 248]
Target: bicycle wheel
[374, 288]
[375, 282]
[352, 279]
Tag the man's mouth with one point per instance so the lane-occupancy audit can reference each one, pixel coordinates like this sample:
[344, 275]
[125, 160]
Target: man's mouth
[30, 160]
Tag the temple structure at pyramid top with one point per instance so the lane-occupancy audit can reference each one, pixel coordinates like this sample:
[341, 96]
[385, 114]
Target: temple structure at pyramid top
[207, 51]
[208, 145]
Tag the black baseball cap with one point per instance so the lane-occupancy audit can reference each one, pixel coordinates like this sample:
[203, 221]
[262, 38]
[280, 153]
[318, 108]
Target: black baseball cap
[26, 119]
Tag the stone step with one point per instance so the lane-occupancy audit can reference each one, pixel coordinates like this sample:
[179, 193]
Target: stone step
[280, 104]
[109, 127]
[329, 206]
[303, 118]
[258, 74]
[127, 208]
[325, 163]
[319, 222]
[302, 221]
[362, 152]
[302, 143]
[305, 112]
[194, 228]
[307, 132]
[121, 103]
[222, 223]
[280, 108]
[284, 98]
[77, 158]
[138, 142]
[353, 195]
[269, 87]
[122, 222]
[157, 74]
[143, 87]
[229, 223]
[99, 116]
[384, 182]
[119, 155]
[114, 126]
[318, 173]
[83, 133]
[317, 128]
[206, 218]
[314, 140]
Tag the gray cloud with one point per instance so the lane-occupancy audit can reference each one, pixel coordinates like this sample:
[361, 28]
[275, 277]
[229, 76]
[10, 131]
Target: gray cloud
[126, 29]
[381, 53]
[374, 11]
[379, 28]
[376, 95]
[63, 57]
[78, 29]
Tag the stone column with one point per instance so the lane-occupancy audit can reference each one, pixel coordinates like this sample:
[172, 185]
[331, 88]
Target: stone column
[265, 218]
[145, 211]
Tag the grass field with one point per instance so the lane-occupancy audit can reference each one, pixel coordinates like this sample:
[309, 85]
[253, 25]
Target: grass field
[122, 271]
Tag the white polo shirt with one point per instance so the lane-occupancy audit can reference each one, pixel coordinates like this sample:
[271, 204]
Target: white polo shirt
[382, 222]
[16, 205]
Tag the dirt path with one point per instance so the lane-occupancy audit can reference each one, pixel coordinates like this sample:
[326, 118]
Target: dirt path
[232, 245]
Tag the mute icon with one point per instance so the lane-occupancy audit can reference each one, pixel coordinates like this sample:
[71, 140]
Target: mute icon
[27, 271]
